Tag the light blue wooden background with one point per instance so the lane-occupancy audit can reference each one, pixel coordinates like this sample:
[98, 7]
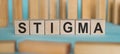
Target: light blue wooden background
[112, 31]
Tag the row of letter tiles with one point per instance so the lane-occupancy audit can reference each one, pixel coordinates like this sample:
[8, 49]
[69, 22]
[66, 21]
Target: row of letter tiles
[78, 27]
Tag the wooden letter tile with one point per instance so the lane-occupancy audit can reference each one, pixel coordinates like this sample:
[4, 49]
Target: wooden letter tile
[21, 27]
[82, 27]
[97, 26]
[37, 27]
[67, 26]
[52, 27]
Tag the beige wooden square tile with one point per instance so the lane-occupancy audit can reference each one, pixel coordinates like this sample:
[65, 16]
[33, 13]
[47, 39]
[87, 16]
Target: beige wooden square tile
[52, 27]
[67, 27]
[83, 27]
[97, 27]
[37, 27]
[21, 27]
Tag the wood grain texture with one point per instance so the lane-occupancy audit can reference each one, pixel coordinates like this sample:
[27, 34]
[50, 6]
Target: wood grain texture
[3, 13]
[72, 9]
[34, 9]
[110, 10]
[43, 9]
[88, 9]
[7, 47]
[53, 9]
[101, 9]
[63, 9]
[17, 9]
[97, 48]
[37, 47]
[116, 12]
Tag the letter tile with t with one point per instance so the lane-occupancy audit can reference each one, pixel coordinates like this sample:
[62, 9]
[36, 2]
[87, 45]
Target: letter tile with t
[37, 27]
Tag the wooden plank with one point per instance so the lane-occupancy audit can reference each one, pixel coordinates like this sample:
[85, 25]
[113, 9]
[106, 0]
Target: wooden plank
[33, 9]
[110, 10]
[37, 47]
[88, 9]
[3, 13]
[43, 9]
[72, 9]
[7, 46]
[97, 48]
[53, 9]
[63, 9]
[101, 9]
[17, 9]
[116, 12]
